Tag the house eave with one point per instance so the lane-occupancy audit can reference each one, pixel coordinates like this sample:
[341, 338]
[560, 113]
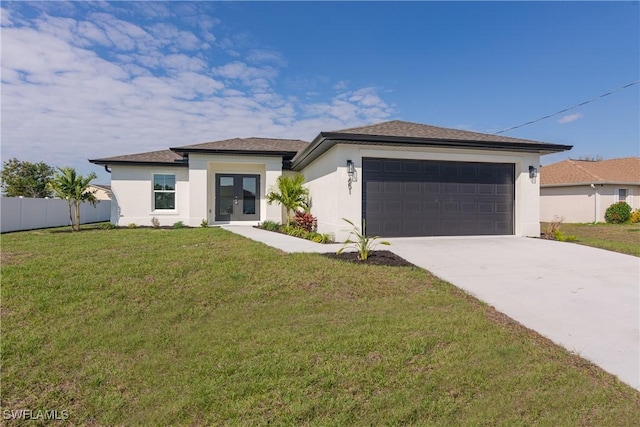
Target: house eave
[102, 162]
[187, 151]
[326, 140]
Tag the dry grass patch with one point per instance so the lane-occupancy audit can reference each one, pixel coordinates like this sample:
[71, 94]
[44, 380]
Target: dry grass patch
[623, 238]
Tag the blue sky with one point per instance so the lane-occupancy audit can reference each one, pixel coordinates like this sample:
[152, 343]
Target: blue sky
[89, 80]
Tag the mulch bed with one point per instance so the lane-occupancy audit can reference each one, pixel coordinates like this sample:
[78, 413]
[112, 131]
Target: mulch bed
[375, 258]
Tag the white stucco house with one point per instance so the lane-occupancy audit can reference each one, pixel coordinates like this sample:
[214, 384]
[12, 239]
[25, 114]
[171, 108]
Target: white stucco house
[582, 190]
[404, 179]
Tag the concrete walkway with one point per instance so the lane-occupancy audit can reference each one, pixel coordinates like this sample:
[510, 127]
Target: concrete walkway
[585, 299]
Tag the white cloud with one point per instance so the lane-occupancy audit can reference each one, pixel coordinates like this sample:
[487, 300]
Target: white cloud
[266, 56]
[5, 17]
[340, 86]
[359, 106]
[570, 118]
[77, 87]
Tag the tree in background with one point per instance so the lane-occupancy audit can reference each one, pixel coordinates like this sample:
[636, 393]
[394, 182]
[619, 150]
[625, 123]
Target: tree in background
[26, 179]
[290, 193]
[74, 188]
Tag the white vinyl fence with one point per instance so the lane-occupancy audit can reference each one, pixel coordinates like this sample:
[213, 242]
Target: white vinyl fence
[18, 213]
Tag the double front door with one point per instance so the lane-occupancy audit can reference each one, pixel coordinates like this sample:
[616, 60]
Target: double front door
[237, 197]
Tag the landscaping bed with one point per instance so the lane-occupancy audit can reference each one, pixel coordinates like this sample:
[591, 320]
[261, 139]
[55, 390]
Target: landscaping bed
[375, 258]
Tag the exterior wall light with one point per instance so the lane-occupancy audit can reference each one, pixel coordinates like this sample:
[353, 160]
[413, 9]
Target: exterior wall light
[533, 173]
[351, 172]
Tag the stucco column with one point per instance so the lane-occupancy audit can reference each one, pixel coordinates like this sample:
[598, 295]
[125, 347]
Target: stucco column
[198, 192]
[527, 199]
[273, 212]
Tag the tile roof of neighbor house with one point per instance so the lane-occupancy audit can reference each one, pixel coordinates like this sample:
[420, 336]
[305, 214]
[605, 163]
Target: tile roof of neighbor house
[105, 187]
[625, 170]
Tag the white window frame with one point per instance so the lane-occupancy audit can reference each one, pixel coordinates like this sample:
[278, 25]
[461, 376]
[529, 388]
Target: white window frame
[626, 198]
[154, 191]
[629, 199]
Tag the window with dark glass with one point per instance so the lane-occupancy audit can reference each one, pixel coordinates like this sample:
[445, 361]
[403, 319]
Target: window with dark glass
[164, 191]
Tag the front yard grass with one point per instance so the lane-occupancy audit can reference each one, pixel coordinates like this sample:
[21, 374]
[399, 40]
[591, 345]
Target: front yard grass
[623, 238]
[202, 327]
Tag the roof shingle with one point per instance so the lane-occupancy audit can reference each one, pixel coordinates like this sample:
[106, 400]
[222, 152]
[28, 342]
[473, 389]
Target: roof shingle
[162, 156]
[399, 128]
[624, 170]
[248, 144]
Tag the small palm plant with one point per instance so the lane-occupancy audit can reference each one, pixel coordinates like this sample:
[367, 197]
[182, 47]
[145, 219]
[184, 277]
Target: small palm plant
[290, 193]
[362, 243]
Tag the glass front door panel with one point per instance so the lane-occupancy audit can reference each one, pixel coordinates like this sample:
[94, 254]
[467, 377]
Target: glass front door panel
[226, 195]
[249, 186]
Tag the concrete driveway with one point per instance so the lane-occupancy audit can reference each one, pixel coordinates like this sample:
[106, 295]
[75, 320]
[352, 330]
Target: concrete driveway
[585, 299]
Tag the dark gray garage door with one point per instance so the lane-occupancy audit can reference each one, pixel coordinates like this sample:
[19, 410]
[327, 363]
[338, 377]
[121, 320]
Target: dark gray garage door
[435, 198]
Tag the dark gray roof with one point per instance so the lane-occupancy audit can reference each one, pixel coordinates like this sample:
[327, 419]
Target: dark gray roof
[251, 145]
[297, 153]
[163, 157]
[287, 148]
[406, 134]
[399, 128]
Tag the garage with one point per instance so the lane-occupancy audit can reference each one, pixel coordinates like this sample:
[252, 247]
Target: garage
[404, 198]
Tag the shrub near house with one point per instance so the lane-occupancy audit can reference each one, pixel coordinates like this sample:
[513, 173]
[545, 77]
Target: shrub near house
[618, 213]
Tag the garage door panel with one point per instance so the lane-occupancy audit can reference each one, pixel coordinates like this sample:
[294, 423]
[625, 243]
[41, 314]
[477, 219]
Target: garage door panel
[374, 207]
[468, 226]
[430, 208]
[503, 189]
[485, 208]
[391, 227]
[392, 207]
[432, 188]
[431, 170]
[486, 227]
[503, 227]
[373, 187]
[450, 207]
[468, 208]
[450, 188]
[435, 198]
[411, 207]
[503, 208]
[392, 187]
[411, 167]
[468, 189]
[485, 189]
[392, 166]
[412, 187]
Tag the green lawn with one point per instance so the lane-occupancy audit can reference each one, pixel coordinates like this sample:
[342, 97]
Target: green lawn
[201, 327]
[623, 238]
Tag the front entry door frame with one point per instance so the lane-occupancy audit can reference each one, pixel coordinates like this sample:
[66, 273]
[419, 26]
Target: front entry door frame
[237, 197]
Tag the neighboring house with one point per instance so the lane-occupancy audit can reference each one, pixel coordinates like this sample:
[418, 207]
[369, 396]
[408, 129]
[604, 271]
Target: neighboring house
[101, 191]
[404, 179]
[582, 190]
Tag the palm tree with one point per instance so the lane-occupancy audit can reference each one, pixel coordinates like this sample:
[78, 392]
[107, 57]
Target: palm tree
[290, 193]
[68, 185]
